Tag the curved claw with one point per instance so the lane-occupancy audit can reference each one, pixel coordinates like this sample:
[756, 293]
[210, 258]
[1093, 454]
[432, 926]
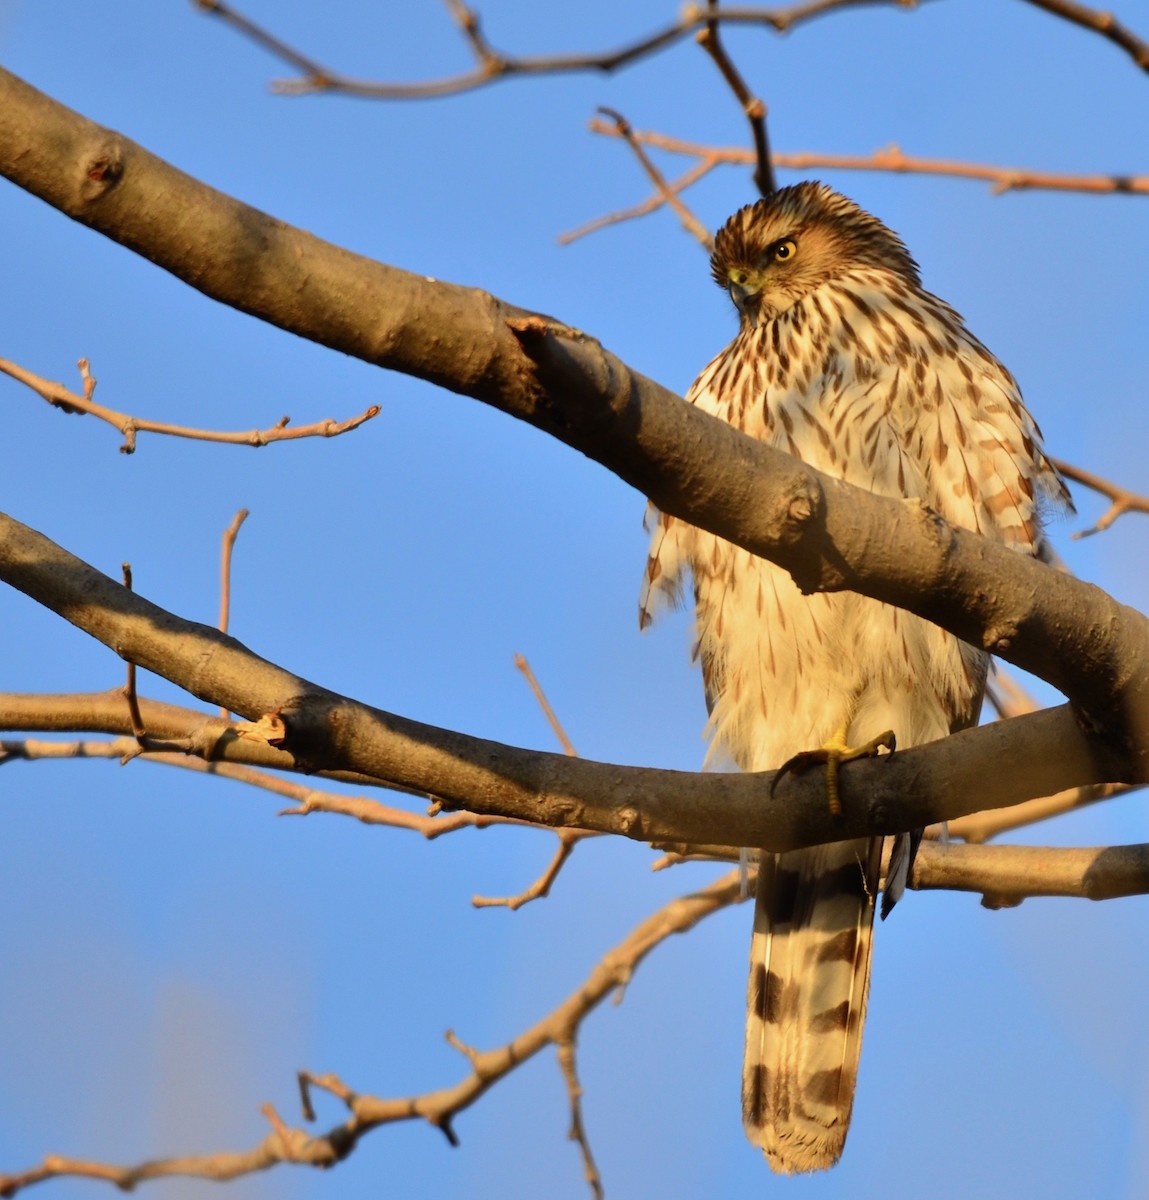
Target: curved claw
[832, 755]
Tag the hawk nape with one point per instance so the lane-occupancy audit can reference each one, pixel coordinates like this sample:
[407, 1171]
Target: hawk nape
[842, 360]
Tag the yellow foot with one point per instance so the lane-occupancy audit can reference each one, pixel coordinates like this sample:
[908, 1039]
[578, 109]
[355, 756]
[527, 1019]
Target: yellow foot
[832, 755]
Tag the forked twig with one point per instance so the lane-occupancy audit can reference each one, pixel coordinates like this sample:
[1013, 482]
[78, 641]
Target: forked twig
[438, 1107]
[568, 839]
[709, 38]
[569, 1065]
[1121, 500]
[1003, 179]
[1100, 22]
[666, 193]
[492, 65]
[68, 401]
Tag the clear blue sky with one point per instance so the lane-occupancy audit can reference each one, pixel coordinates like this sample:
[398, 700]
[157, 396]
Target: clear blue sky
[172, 952]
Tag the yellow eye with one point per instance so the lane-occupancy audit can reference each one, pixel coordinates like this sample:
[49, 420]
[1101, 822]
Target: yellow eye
[785, 250]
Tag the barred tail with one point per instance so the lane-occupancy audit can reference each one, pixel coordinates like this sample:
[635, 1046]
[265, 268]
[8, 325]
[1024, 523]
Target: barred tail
[806, 1000]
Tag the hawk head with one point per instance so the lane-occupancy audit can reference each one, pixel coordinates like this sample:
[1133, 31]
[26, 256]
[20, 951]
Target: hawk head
[771, 254]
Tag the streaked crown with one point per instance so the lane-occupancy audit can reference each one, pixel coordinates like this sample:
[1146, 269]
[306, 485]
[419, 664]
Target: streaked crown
[772, 253]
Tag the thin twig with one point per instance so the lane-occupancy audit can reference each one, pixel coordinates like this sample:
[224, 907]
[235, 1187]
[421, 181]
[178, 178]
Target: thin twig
[567, 838]
[639, 210]
[438, 1107]
[226, 550]
[1121, 500]
[492, 65]
[689, 221]
[891, 158]
[569, 1066]
[709, 38]
[305, 798]
[138, 729]
[68, 401]
[1100, 22]
[545, 705]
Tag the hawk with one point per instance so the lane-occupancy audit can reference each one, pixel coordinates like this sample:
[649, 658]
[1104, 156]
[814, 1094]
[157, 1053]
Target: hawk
[844, 361]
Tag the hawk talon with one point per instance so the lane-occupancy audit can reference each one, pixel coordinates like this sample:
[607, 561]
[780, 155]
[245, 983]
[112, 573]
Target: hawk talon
[832, 755]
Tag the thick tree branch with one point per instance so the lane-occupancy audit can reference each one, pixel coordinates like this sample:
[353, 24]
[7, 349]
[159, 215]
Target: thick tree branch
[999, 764]
[1006, 875]
[829, 535]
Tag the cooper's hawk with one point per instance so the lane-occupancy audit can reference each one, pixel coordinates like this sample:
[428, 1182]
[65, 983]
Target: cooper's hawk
[842, 360]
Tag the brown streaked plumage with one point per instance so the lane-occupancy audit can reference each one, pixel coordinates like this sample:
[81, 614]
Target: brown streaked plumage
[842, 360]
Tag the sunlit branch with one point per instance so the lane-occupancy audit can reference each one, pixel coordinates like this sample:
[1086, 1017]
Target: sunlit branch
[1101, 22]
[1121, 500]
[438, 1108]
[665, 192]
[889, 159]
[68, 401]
[492, 65]
[1006, 875]
[710, 39]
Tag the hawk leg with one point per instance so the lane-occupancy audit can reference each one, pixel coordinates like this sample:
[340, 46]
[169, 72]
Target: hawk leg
[832, 755]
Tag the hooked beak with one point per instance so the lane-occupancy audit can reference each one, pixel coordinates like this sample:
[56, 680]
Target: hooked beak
[745, 296]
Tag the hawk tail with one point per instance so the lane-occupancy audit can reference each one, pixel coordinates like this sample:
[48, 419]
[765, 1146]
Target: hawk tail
[806, 1000]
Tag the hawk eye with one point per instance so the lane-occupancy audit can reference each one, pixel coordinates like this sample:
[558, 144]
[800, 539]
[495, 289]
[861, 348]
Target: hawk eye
[785, 250]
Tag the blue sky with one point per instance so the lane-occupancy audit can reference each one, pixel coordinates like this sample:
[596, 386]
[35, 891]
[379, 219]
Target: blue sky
[173, 953]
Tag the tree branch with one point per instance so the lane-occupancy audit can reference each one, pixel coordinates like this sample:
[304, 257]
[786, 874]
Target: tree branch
[437, 1108]
[1006, 875]
[830, 536]
[68, 401]
[492, 65]
[892, 159]
[1104, 23]
[989, 767]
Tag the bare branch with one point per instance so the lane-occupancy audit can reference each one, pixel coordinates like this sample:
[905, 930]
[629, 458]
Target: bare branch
[891, 159]
[710, 40]
[1121, 499]
[437, 1108]
[226, 549]
[569, 1065]
[492, 65]
[981, 826]
[1006, 875]
[668, 195]
[70, 402]
[541, 887]
[1104, 23]
[568, 838]
[828, 535]
[548, 712]
[639, 210]
[324, 731]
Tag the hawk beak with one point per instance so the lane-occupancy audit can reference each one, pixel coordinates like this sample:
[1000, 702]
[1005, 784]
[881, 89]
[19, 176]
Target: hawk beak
[745, 297]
